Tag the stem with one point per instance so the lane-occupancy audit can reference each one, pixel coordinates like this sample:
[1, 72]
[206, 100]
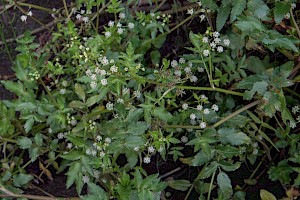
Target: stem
[36, 7]
[66, 8]
[8, 140]
[250, 105]
[210, 89]
[49, 93]
[189, 192]
[295, 23]
[210, 185]
[292, 92]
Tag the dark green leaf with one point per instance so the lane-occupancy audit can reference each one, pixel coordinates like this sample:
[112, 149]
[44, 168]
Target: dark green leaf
[24, 142]
[281, 8]
[21, 179]
[237, 9]
[80, 91]
[233, 137]
[223, 13]
[208, 170]
[224, 184]
[181, 185]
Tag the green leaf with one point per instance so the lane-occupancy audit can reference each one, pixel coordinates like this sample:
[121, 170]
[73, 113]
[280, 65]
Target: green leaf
[72, 174]
[77, 141]
[265, 195]
[248, 24]
[281, 172]
[92, 100]
[24, 142]
[223, 13]
[208, 170]
[134, 115]
[224, 184]
[95, 193]
[202, 158]
[28, 125]
[21, 179]
[209, 4]
[76, 104]
[155, 57]
[162, 114]
[181, 185]
[229, 166]
[38, 139]
[237, 9]
[259, 9]
[137, 128]
[73, 155]
[227, 151]
[80, 91]
[233, 137]
[21, 72]
[195, 39]
[17, 88]
[281, 8]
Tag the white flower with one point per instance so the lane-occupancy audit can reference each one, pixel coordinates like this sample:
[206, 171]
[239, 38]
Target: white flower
[62, 91]
[126, 91]
[82, 12]
[104, 61]
[213, 45]
[293, 6]
[136, 148]
[206, 111]
[147, 159]
[96, 174]
[137, 94]
[93, 77]
[78, 16]
[287, 15]
[220, 49]
[174, 63]
[94, 152]
[107, 140]
[121, 101]
[203, 125]
[109, 106]
[199, 107]
[199, 3]
[64, 83]
[255, 144]
[113, 69]
[151, 149]
[50, 130]
[295, 109]
[73, 122]
[193, 79]
[60, 136]
[215, 107]
[217, 40]
[120, 31]
[99, 138]
[205, 39]
[122, 16]
[23, 18]
[202, 17]
[104, 81]
[102, 154]
[203, 97]
[216, 34]
[177, 72]
[93, 84]
[185, 106]
[226, 42]
[85, 179]
[206, 53]
[119, 25]
[190, 64]
[111, 23]
[190, 11]
[85, 19]
[107, 34]
[69, 145]
[130, 25]
[29, 13]
[102, 72]
[187, 70]
[292, 124]
[181, 60]
[184, 139]
[200, 69]
[192, 116]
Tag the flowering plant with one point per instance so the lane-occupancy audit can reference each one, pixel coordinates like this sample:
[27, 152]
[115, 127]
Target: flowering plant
[103, 103]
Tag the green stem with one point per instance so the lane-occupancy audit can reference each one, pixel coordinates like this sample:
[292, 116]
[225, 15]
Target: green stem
[210, 89]
[189, 192]
[36, 7]
[49, 93]
[66, 8]
[250, 105]
[292, 92]
[295, 23]
[210, 185]
[8, 140]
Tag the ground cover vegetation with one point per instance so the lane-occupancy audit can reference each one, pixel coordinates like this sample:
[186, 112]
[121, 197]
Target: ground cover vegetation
[111, 88]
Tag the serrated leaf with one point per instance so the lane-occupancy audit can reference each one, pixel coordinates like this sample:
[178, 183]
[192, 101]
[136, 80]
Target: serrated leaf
[92, 100]
[266, 195]
[77, 141]
[137, 128]
[72, 174]
[281, 8]
[223, 13]
[28, 124]
[229, 166]
[17, 88]
[181, 185]
[24, 142]
[21, 72]
[76, 104]
[21, 179]
[227, 151]
[224, 184]
[237, 9]
[162, 114]
[209, 4]
[259, 9]
[249, 24]
[95, 192]
[208, 170]
[233, 137]
[80, 91]
[73, 155]
[195, 39]
[134, 115]
[201, 158]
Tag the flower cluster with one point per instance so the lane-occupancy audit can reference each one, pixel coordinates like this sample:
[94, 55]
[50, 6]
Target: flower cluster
[212, 42]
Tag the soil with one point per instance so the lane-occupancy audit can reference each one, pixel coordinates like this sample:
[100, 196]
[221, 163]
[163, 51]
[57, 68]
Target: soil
[56, 187]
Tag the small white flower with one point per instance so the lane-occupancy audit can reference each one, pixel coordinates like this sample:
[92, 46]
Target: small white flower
[82, 12]
[107, 34]
[111, 23]
[93, 84]
[93, 77]
[192, 116]
[185, 106]
[147, 159]
[190, 11]
[217, 40]
[109, 106]
[177, 72]
[96, 174]
[60, 136]
[292, 124]
[203, 97]
[205, 39]
[102, 72]
[181, 60]
[102, 154]
[78, 16]
[174, 63]
[29, 13]
[23, 18]
[119, 25]
[226, 42]
[85, 179]
[184, 139]
[73, 122]
[220, 49]
[193, 79]
[151, 149]
[64, 83]
[203, 125]
[122, 16]
[121, 101]
[137, 94]
[113, 69]
[126, 91]
[107, 140]
[94, 152]
[293, 6]
[213, 45]
[187, 70]
[202, 17]
[206, 111]
[215, 107]
[255, 144]
[62, 91]
[200, 69]
[50, 130]
[295, 109]
[104, 81]
[287, 16]
[136, 148]
[120, 31]
[69, 145]
[85, 19]
[206, 53]
[130, 25]
[199, 107]
[216, 34]
[199, 3]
